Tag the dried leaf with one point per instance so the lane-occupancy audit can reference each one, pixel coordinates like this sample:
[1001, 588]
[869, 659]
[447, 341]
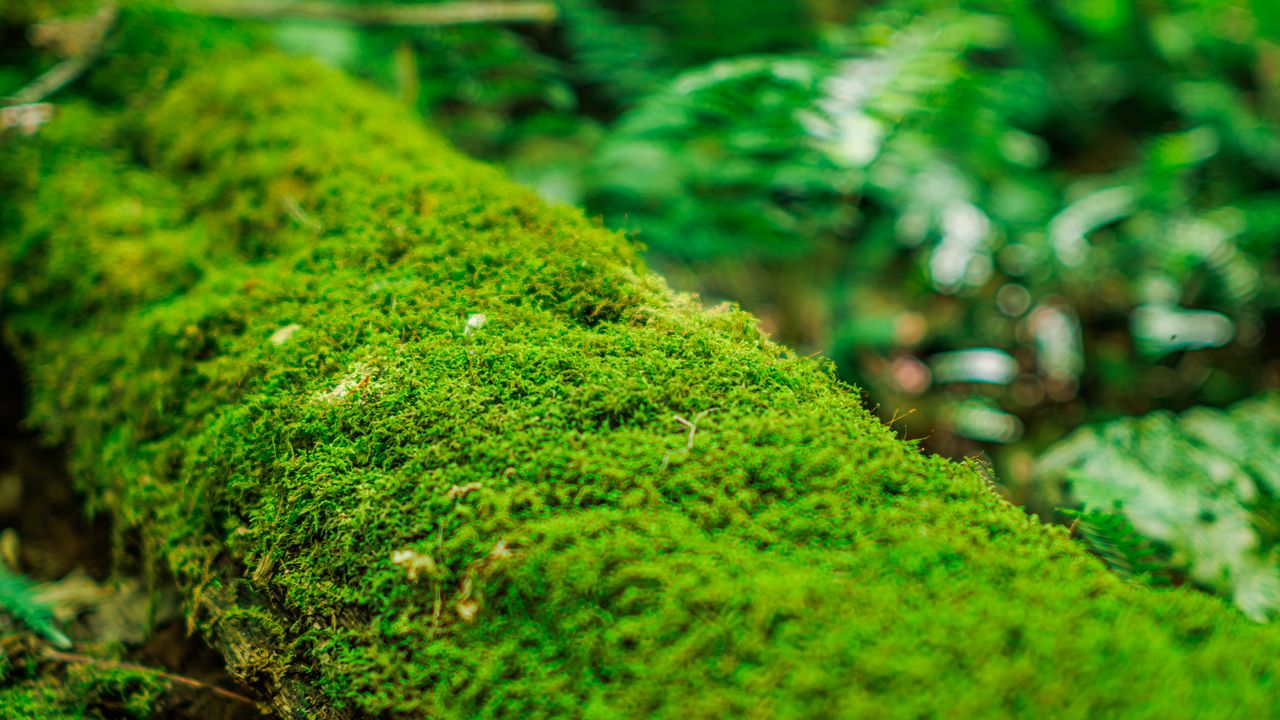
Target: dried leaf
[414, 564]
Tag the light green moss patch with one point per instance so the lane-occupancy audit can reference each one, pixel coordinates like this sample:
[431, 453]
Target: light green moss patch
[798, 560]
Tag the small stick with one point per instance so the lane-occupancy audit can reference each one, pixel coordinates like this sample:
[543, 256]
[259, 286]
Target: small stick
[439, 606]
[693, 430]
[445, 13]
[693, 426]
[58, 76]
[300, 216]
[59, 656]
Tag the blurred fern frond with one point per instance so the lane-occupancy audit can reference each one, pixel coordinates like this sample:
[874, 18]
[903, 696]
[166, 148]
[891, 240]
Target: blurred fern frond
[18, 600]
[1203, 484]
[1113, 539]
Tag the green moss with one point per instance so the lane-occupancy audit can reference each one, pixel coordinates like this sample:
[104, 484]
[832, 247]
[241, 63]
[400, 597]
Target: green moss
[34, 690]
[37, 702]
[282, 393]
[116, 693]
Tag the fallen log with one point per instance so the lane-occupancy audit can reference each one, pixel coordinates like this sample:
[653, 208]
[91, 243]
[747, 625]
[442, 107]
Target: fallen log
[413, 443]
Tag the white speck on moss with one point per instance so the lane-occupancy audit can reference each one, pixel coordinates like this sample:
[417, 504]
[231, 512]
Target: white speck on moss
[282, 335]
[414, 564]
[474, 322]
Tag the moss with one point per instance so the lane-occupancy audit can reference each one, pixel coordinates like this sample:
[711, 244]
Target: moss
[115, 692]
[589, 555]
[35, 690]
[37, 702]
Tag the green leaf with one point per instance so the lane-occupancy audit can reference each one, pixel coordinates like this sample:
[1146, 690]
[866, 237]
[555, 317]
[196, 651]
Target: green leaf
[18, 600]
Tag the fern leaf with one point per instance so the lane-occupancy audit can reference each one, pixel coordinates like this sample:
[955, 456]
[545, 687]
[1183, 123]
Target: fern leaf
[18, 600]
[1113, 539]
[1203, 485]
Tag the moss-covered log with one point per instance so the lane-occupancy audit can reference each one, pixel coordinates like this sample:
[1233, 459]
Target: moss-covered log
[414, 444]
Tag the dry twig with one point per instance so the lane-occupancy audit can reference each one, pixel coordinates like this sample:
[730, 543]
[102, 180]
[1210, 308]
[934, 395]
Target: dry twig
[448, 13]
[64, 657]
[55, 78]
[693, 426]
[693, 430]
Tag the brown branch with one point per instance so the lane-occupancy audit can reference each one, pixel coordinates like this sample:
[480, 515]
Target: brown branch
[64, 657]
[447, 13]
[58, 76]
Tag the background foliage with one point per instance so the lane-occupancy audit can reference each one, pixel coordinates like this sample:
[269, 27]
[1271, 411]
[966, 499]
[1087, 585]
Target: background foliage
[1195, 497]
